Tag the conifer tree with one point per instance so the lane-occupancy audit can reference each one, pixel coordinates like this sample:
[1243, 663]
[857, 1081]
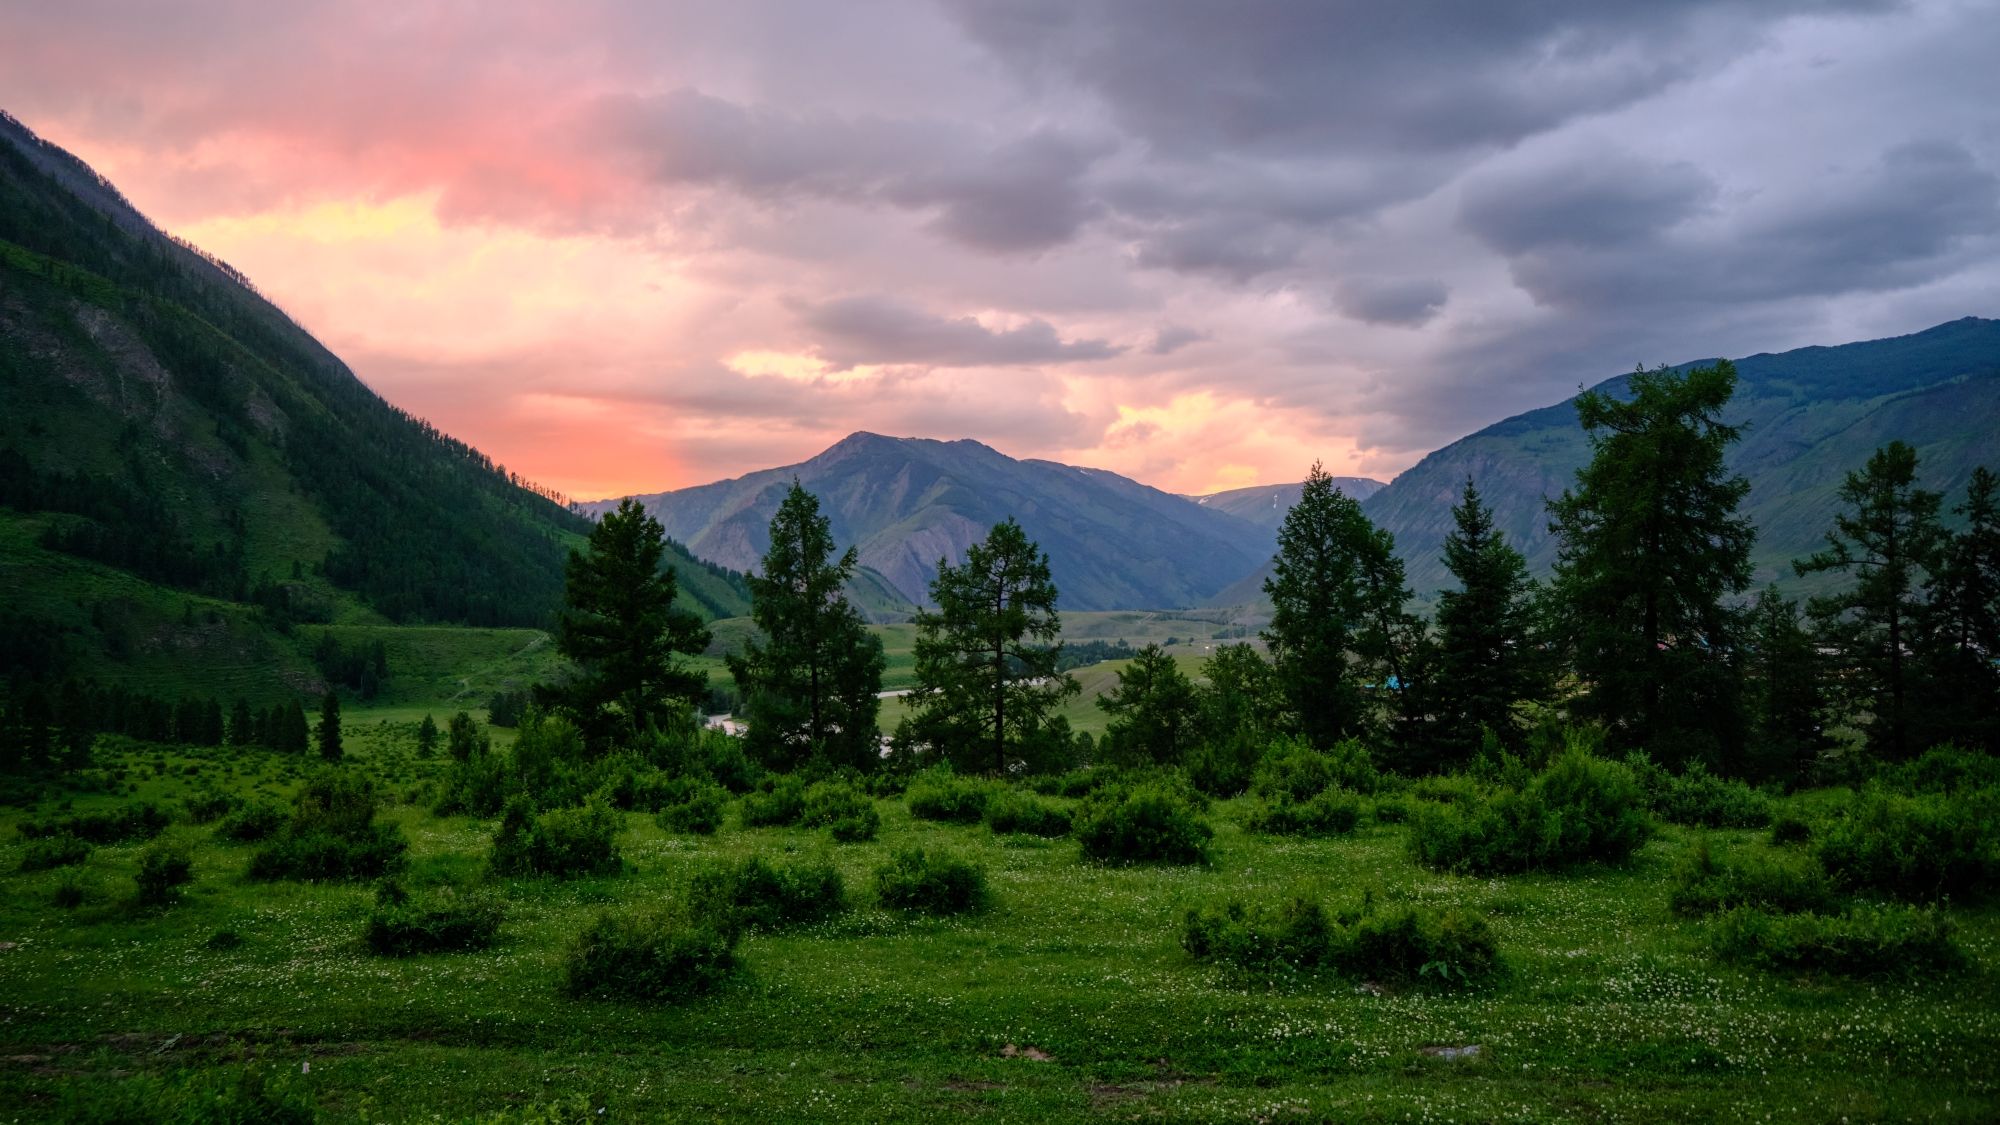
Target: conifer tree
[1651, 552]
[1487, 661]
[1785, 689]
[1152, 709]
[623, 631]
[809, 683]
[1959, 689]
[427, 736]
[987, 656]
[1888, 539]
[329, 728]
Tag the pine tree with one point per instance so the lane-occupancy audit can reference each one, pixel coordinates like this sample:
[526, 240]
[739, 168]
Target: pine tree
[1958, 692]
[1651, 552]
[293, 733]
[987, 656]
[329, 727]
[1888, 539]
[1152, 710]
[1487, 661]
[427, 736]
[809, 685]
[621, 628]
[1785, 687]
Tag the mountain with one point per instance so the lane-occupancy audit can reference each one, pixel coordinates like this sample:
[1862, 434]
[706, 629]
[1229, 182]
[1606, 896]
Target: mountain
[906, 502]
[1266, 504]
[184, 470]
[1809, 415]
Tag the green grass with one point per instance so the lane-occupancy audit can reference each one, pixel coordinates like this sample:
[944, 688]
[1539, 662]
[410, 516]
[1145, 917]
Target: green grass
[1607, 1007]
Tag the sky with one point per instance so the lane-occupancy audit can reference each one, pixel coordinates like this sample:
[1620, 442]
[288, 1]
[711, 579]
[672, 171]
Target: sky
[626, 246]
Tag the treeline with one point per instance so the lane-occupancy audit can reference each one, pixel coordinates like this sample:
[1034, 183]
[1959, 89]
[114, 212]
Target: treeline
[53, 726]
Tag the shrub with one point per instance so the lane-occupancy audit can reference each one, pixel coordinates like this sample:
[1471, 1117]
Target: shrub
[477, 783]
[163, 870]
[1791, 884]
[205, 804]
[142, 821]
[1405, 944]
[1222, 768]
[754, 894]
[1072, 783]
[930, 882]
[1580, 809]
[1944, 769]
[1917, 848]
[1146, 823]
[1334, 812]
[648, 956]
[1699, 799]
[563, 843]
[944, 796]
[1291, 770]
[1789, 827]
[252, 821]
[845, 810]
[442, 922]
[1893, 940]
[693, 805]
[332, 834]
[70, 892]
[244, 1097]
[777, 801]
[1010, 810]
[51, 852]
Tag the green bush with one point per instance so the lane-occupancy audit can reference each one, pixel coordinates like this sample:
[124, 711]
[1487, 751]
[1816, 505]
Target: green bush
[1791, 884]
[1788, 826]
[846, 811]
[206, 804]
[564, 843]
[163, 870]
[648, 955]
[476, 784]
[1148, 823]
[51, 852]
[127, 823]
[755, 894]
[1333, 812]
[188, 1097]
[693, 805]
[252, 821]
[332, 834]
[1697, 798]
[776, 802]
[944, 796]
[1010, 810]
[1073, 783]
[1580, 809]
[1945, 769]
[70, 892]
[1869, 940]
[1917, 848]
[930, 882]
[1403, 945]
[1222, 768]
[441, 922]
[1291, 770]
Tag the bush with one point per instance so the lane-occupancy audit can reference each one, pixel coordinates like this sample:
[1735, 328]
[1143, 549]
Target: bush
[70, 892]
[563, 843]
[1944, 769]
[754, 894]
[1916, 848]
[1334, 812]
[1580, 809]
[1789, 827]
[477, 784]
[1404, 945]
[1291, 770]
[648, 956]
[943, 796]
[332, 834]
[117, 826]
[442, 922]
[163, 870]
[1073, 783]
[778, 801]
[1223, 768]
[252, 821]
[205, 804]
[188, 1097]
[930, 882]
[1790, 884]
[1890, 940]
[51, 852]
[1699, 799]
[1010, 810]
[1146, 823]
[693, 805]
[849, 813]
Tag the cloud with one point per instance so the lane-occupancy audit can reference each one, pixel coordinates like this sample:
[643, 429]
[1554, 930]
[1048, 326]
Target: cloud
[853, 331]
[1173, 337]
[1403, 302]
[1596, 199]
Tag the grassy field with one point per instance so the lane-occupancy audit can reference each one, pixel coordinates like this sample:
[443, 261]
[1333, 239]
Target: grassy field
[1608, 1008]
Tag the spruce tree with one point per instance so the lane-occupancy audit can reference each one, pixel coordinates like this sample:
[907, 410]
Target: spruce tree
[1785, 688]
[1651, 553]
[1888, 539]
[1959, 687]
[987, 657]
[809, 683]
[623, 631]
[1487, 661]
[329, 727]
[1152, 710]
[427, 736]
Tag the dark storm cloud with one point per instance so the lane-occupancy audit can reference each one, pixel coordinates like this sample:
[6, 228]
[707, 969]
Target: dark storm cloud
[1606, 199]
[1403, 302]
[853, 331]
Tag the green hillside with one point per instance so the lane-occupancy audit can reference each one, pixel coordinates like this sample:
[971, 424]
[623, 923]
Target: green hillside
[187, 477]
